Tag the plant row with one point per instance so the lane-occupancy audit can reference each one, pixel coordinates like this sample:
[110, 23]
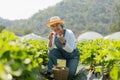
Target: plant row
[24, 59]
[21, 59]
[102, 55]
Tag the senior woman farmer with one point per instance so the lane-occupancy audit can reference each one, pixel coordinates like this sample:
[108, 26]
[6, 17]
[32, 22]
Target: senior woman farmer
[65, 42]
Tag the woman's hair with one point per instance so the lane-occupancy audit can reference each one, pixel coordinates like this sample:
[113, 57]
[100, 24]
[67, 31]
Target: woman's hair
[62, 25]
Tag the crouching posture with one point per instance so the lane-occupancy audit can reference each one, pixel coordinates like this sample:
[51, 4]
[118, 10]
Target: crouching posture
[62, 45]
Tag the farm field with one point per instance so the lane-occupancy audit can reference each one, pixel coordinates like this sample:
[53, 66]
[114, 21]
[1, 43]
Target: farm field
[24, 59]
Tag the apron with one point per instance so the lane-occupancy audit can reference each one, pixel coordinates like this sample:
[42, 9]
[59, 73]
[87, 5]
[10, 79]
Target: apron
[65, 54]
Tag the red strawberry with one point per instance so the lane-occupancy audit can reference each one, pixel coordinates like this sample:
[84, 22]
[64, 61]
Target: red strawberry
[52, 33]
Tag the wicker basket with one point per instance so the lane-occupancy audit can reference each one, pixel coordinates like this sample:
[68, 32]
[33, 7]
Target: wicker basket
[60, 73]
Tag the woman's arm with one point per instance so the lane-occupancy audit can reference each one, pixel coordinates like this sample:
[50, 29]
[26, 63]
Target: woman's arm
[51, 41]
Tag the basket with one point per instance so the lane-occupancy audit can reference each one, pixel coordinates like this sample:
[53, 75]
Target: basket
[60, 73]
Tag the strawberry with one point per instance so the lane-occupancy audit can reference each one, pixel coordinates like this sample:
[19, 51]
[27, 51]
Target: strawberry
[52, 33]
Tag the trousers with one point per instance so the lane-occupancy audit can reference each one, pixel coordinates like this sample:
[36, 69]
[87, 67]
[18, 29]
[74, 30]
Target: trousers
[71, 61]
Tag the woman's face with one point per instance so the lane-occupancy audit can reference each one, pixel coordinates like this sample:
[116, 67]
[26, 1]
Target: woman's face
[57, 28]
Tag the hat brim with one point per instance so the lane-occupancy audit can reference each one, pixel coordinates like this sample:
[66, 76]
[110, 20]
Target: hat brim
[54, 22]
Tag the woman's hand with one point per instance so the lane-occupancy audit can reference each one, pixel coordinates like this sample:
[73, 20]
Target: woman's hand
[62, 39]
[50, 36]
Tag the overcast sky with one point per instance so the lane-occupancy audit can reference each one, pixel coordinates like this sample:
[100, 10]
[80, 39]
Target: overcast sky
[23, 9]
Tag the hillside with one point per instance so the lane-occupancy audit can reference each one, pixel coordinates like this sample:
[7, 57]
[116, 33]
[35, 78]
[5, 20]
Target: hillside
[79, 15]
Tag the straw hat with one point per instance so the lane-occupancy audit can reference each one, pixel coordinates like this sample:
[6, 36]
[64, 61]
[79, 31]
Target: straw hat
[54, 20]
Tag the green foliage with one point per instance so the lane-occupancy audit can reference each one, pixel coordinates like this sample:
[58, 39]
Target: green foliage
[2, 27]
[21, 60]
[115, 27]
[104, 53]
[115, 73]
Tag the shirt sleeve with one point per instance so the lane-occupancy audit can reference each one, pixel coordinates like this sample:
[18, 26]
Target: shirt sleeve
[70, 41]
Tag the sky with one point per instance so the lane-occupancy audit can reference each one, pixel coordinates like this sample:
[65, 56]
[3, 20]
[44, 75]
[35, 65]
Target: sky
[23, 9]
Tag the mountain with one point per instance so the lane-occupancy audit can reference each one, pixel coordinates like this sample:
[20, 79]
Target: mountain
[5, 22]
[9, 23]
[79, 15]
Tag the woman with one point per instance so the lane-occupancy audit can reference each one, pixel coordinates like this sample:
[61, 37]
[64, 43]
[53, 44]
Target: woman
[66, 48]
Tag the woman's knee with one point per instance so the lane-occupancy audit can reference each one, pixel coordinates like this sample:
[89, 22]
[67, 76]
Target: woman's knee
[52, 52]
